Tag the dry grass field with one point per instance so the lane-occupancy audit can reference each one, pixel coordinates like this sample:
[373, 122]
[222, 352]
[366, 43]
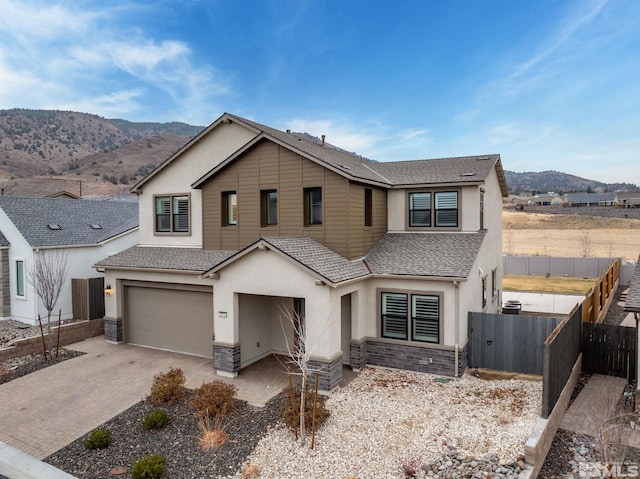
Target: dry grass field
[554, 284]
[571, 235]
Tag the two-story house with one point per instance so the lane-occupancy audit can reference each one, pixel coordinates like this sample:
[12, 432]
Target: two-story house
[247, 224]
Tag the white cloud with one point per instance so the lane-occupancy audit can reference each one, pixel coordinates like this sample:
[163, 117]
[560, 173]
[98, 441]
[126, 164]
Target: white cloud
[56, 55]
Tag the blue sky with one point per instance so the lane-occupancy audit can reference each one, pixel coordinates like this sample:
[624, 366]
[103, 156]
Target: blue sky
[550, 85]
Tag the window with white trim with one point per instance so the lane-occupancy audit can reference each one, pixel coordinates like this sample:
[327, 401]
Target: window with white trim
[172, 214]
[481, 209]
[433, 209]
[418, 314]
[20, 278]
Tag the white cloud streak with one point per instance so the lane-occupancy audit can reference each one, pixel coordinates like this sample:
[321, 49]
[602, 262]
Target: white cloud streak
[63, 56]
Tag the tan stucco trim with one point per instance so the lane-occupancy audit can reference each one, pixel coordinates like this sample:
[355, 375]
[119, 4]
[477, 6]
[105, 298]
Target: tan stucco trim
[326, 359]
[201, 288]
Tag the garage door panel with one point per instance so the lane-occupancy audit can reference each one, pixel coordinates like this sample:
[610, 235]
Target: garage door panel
[176, 320]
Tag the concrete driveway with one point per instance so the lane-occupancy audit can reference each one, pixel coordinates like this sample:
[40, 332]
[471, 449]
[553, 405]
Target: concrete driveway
[44, 411]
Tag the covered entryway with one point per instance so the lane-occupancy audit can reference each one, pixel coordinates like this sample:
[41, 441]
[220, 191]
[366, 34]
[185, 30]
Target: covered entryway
[170, 317]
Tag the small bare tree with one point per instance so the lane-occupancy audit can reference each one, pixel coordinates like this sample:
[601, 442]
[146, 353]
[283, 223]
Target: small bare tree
[300, 351]
[48, 278]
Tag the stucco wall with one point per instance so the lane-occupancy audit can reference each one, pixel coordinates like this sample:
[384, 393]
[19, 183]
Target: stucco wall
[177, 177]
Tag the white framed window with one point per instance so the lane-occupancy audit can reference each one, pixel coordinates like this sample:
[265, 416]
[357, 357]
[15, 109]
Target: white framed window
[494, 283]
[418, 314]
[20, 278]
[172, 214]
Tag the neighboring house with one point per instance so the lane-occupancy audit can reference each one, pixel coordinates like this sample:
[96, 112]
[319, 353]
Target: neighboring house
[592, 199]
[383, 261]
[84, 230]
[547, 199]
[63, 194]
[629, 200]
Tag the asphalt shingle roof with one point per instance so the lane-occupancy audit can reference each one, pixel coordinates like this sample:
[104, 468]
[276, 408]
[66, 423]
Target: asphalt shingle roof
[350, 163]
[31, 216]
[466, 169]
[3, 241]
[317, 257]
[425, 254]
[153, 257]
[633, 296]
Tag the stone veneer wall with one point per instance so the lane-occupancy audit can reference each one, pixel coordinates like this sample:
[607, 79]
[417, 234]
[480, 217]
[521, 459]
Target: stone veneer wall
[405, 356]
[113, 330]
[330, 374]
[5, 284]
[69, 333]
[226, 358]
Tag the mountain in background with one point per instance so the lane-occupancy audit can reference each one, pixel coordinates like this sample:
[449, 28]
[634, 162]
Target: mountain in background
[547, 181]
[46, 151]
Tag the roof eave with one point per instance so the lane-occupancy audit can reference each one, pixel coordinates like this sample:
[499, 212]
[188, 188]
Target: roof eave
[102, 267]
[420, 277]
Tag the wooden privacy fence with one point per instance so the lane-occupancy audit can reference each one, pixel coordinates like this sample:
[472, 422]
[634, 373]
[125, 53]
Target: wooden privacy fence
[87, 298]
[561, 351]
[609, 349]
[599, 298]
[508, 342]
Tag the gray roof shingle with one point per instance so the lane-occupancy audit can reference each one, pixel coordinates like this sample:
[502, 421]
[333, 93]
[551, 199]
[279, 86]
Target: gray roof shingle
[467, 169]
[633, 296]
[31, 216]
[154, 257]
[317, 257]
[3, 241]
[425, 254]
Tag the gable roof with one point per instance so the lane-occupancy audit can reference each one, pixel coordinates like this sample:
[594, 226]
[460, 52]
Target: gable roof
[456, 170]
[38, 219]
[194, 260]
[321, 261]
[445, 255]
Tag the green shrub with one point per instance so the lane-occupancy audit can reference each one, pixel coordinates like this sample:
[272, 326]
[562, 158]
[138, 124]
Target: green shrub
[99, 439]
[167, 388]
[149, 467]
[155, 420]
[213, 399]
[292, 418]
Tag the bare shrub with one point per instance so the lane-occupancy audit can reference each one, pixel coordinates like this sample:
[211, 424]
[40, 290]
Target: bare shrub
[167, 388]
[213, 399]
[291, 417]
[250, 471]
[211, 437]
[410, 468]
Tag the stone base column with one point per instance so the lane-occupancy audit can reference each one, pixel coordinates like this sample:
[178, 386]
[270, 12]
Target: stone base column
[113, 331]
[226, 359]
[330, 373]
[359, 354]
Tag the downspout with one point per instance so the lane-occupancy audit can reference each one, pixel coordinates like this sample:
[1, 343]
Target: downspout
[456, 284]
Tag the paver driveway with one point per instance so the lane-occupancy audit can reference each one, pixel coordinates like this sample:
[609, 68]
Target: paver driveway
[46, 410]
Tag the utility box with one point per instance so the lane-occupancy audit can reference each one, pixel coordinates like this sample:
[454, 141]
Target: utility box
[512, 307]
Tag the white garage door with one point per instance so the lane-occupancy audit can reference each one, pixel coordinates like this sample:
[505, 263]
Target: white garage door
[170, 319]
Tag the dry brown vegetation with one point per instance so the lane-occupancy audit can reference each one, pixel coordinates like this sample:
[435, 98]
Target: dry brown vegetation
[554, 284]
[570, 235]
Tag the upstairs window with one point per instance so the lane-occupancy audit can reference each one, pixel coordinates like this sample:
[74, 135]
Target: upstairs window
[484, 292]
[494, 283]
[368, 207]
[172, 214]
[20, 278]
[433, 209]
[420, 209]
[313, 206]
[481, 209]
[229, 208]
[446, 209]
[269, 207]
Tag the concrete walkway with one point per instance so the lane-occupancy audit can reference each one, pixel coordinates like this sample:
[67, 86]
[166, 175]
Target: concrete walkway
[543, 303]
[594, 405]
[44, 411]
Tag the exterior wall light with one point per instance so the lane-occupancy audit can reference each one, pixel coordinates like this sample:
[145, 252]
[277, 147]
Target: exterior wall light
[108, 290]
